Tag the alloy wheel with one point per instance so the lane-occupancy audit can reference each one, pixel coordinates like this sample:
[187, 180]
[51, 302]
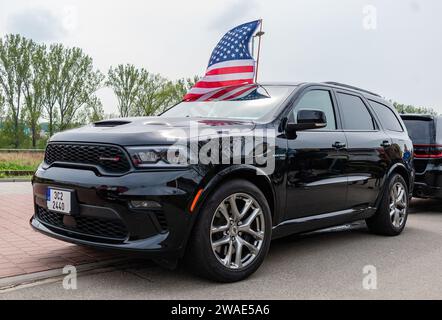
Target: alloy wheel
[237, 231]
[398, 204]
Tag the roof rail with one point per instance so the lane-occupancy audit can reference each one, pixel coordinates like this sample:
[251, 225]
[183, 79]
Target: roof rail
[351, 87]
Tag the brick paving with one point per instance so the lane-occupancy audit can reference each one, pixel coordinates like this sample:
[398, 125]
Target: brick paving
[24, 251]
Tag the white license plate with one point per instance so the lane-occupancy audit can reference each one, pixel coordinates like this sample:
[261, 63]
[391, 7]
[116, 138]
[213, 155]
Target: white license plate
[58, 200]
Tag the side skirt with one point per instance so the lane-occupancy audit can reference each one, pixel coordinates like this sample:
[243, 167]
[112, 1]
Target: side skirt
[321, 221]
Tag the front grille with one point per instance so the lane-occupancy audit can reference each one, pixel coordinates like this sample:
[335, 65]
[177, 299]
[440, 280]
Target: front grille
[111, 159]
[90, 226]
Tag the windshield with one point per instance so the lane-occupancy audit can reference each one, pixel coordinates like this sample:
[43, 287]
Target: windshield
[254, 104]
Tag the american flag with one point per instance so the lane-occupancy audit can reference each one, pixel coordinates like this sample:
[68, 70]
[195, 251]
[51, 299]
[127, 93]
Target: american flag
[231, 70]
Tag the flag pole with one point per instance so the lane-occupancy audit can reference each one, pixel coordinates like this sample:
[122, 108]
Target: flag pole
[259, 34]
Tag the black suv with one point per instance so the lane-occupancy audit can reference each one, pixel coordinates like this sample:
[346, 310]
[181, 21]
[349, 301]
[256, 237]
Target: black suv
[426, 133]
[214, 181]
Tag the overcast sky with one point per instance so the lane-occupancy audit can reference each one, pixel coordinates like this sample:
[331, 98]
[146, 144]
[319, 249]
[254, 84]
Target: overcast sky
[400, 56]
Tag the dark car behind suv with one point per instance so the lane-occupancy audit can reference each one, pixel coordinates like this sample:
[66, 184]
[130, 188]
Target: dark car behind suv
[293, 158]
[426, 133]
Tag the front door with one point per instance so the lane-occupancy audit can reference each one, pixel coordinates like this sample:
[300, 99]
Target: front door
[316, 182]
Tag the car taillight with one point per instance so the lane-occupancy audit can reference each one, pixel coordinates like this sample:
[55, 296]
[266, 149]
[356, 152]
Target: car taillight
[428, 151]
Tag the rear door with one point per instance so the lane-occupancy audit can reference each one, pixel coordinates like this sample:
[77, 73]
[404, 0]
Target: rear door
[368, 160]
[402, 146]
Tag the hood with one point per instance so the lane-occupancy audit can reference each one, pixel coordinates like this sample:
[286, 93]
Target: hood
[151, 130]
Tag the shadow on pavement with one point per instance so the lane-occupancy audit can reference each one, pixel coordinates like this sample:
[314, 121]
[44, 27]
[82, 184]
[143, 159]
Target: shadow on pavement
[289, 245]
[425, 206]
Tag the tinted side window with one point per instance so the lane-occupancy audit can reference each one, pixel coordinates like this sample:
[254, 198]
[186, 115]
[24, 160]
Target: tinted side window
[354, 112]
[318, 100]
[387, 117]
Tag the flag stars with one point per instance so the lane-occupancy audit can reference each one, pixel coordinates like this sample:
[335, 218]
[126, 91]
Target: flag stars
[233, 45]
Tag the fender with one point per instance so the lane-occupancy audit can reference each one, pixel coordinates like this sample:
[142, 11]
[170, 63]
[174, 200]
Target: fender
[210, 186]
[241, 168]
[388, 175]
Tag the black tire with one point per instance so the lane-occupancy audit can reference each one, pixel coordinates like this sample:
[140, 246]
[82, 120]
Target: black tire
[201, 259]
[382, 222]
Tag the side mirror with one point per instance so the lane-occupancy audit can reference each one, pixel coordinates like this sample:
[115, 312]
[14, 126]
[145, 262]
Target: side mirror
[307, 119]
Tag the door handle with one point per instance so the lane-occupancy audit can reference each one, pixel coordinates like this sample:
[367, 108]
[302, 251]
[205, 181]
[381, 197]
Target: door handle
[339, 145]
[385, 144]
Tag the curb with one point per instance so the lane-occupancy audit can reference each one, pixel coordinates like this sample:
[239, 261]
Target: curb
[14, 281]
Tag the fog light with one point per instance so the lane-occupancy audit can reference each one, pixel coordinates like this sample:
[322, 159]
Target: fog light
[145, 204]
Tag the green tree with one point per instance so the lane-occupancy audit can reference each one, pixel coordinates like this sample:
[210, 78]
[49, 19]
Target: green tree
[77, 83]
[125, 81]
[2, 104]
[141, 93]
[51, 66]
[92, 112]
[182, 86]
[153, 94]
[177, 90]
[33, 90]
[403, 108]
[14, 65]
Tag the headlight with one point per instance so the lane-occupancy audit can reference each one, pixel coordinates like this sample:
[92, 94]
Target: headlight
[147, 157]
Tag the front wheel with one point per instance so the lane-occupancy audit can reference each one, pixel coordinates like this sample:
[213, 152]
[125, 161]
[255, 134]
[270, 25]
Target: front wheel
[233, 233]
[392, 214]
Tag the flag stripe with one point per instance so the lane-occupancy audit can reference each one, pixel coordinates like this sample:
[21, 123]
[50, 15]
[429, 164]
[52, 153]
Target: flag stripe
[226, 77]
[229, 70]
[217, 84]
[209, 93]
[202, 90]
[191, 97]
[218, 94]
[239, 93]
[232, 63]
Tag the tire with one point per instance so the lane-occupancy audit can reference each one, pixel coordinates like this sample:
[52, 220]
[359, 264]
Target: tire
[389, 220]
[206, 257]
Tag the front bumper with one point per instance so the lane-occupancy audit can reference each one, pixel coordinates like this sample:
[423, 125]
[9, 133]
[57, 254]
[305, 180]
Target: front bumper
[105, 218]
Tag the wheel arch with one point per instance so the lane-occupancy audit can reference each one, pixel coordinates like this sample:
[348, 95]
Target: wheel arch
[400, 168]
[397, 168]
[251, 174]
[245, 172]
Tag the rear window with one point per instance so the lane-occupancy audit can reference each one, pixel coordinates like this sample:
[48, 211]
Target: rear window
[421, 131]
[387, 117]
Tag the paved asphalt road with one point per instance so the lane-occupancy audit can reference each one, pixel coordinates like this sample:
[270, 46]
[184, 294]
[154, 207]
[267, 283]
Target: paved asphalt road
[325, 265]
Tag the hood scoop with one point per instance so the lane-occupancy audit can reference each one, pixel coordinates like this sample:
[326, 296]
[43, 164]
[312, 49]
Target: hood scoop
[110, 123]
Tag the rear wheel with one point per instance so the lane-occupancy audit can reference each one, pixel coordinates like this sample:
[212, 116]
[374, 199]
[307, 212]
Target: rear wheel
[391, 217]
[232, 235]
